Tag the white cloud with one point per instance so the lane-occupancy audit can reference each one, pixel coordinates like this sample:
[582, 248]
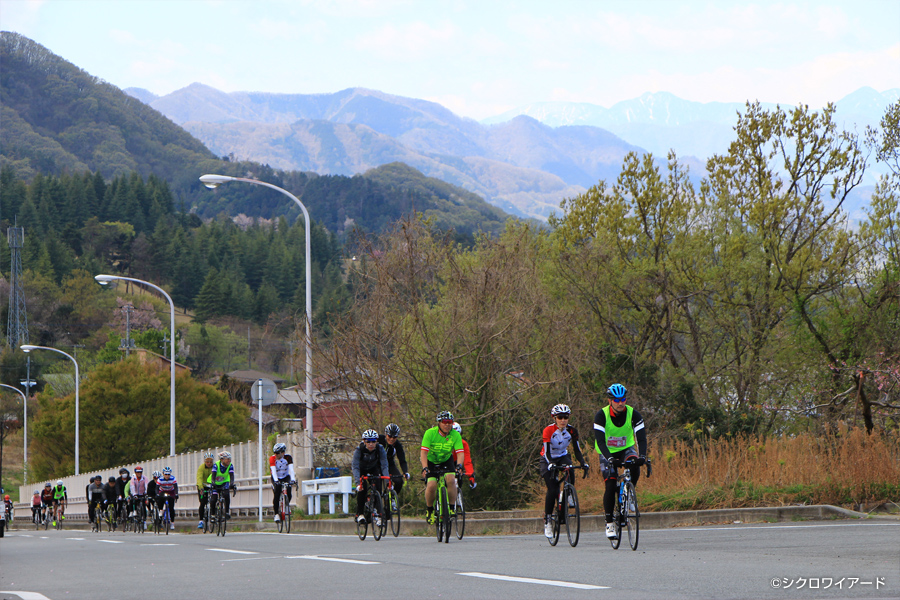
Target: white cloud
[22, 17]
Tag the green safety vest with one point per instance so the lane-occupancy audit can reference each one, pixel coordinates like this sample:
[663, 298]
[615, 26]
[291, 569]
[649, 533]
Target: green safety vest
[617, 438]
[59, 492]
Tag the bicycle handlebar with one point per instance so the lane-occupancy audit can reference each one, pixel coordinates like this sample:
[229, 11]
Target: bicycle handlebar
[632, 461]
[568, 468]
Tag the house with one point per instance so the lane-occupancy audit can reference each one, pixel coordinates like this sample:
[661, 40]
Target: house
[158, 361]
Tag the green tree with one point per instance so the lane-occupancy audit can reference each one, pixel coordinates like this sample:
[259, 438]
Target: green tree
[127, 405]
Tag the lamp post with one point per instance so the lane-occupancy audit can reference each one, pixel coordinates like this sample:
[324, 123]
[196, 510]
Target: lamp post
[28, 348]
[25, 422]
[105, 279]
[214, 181]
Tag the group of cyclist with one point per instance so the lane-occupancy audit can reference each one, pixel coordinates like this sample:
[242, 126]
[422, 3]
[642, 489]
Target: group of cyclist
[443, 453]
[619, 436]
[53, 498]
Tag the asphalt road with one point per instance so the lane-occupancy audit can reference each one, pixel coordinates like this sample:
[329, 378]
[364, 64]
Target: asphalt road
[844, 559]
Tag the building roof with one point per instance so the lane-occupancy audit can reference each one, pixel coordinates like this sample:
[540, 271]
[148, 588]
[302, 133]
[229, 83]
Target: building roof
[251, 375]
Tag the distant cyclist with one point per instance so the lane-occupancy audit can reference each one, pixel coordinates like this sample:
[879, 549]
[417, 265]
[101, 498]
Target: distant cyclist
[442, 450]
[619, 432]
[556, 439]
[8, 508]
[137, 487]
[281, 466]
[369, 459]
[468, 467]
[36, 506]
[121, 483]
[167, 493]
[203, 473]
[60, 501]
[393, 448]
[95, 497]
[46, 499]
[222, 479]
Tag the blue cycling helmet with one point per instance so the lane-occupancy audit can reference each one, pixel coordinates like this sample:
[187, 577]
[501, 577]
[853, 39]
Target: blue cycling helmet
[616, 391]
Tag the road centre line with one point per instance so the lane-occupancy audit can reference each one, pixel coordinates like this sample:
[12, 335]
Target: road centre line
[566, 584]
[76, 539]
[110, 542]
[158, 544]
[332, 559]
[231, 551]
[28, 595]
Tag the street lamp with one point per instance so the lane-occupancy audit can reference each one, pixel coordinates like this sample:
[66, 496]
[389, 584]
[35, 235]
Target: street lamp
[214, 181]
[25, 420]
[105, 279]
[28, 348]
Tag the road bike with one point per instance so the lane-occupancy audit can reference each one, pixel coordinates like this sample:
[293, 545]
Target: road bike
[140, 513]
[8, 517]
[443, 518]
[220, 518]
[109, 513]
[37, 517]
[284, 508]
[165, 516]
[58, 517]
[625, 510]
[97, 523]
[48, 517]
[207, 511]
[122, 515]
[459, 512]
[567, 509]
[373, 510]
[391, 502]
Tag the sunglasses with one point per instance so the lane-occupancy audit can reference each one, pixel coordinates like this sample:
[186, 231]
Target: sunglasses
[371, 441]
[562, 417]
[447, 422]
[618, 400]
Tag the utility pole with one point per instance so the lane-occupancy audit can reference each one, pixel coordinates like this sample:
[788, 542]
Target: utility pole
[127, 344]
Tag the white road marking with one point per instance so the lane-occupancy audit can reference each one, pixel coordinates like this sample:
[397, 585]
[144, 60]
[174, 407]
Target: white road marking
[746, 527]
[231, 551]
[28, 595]
[566, 584]
[158, 544]
[110, 542]
[332, 559]
[76, 539]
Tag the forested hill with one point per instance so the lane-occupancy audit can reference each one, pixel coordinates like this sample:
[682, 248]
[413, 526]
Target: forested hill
[59, 119]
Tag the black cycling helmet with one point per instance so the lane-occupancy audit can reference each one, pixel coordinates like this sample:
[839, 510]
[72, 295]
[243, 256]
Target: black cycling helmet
[124, 472]
[112, 479]
[392, 430]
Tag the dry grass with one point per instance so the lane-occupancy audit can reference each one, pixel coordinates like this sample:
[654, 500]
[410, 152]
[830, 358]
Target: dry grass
[844, 468]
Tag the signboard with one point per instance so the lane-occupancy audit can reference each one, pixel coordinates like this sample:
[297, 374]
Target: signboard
[264, 392]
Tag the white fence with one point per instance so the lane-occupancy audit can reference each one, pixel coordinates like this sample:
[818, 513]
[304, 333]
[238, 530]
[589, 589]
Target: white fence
[244, 457]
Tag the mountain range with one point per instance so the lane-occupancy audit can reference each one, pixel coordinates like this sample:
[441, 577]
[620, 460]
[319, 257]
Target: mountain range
[524, 161]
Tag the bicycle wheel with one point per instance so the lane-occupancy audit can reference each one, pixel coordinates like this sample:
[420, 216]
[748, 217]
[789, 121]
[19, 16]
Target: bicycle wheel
[166, 519]
[204, 514]
[392, 509]
[140, 518]
[362, 526]
[379, 526]
[281, 513]
[632, 515]
[287, 516]
[459, 516]
[445, 514]
[573, 514]
[220, 518]
[617, 524]
[439, 516]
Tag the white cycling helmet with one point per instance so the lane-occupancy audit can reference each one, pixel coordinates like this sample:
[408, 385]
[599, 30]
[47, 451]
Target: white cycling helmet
[560, 409]
[279, 447]
[224, 454]
[457, 428]
[60, 482]
[370, 435]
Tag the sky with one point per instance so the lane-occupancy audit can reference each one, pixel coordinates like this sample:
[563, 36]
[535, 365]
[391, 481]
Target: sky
[480, 58]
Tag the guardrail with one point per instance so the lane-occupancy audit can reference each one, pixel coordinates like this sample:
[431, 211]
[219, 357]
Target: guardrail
[314, 489]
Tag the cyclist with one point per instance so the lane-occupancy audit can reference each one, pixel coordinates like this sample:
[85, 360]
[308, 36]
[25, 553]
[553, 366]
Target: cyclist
[137, 487]
[95, 497]
[46, 499]
[35, 506]
[8, 508]
[60, 501]
[121, 483]
[167, 493]
[370, 459]
[467, 461]
[222, 479]
[440, 445]
[151, 492]
[203, 473]
[616, 429]
[392, 447]
[281, 466]
[555, 451]
[109, 491]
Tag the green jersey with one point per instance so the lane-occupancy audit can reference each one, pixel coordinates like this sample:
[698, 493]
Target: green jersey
[441, 448]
